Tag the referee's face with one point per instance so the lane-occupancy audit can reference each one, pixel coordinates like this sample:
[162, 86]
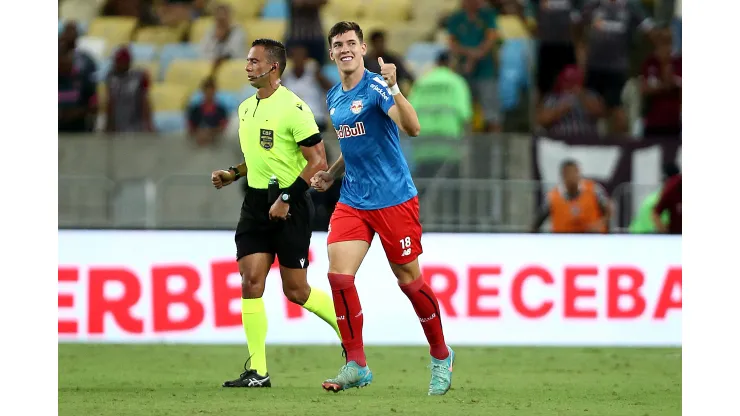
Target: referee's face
[258, 67]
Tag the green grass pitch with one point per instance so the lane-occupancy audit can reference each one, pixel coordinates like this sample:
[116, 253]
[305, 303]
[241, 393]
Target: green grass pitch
[181, 380]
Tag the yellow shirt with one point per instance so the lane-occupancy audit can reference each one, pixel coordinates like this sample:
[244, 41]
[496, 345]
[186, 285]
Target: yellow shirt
[269, 132]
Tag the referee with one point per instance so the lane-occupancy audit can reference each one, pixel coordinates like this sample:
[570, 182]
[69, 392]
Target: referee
[279, 137]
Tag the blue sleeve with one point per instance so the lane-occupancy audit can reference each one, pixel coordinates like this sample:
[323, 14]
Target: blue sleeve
[381, 94]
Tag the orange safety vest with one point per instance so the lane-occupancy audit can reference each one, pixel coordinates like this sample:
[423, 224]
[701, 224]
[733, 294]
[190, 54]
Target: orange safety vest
[575, 215]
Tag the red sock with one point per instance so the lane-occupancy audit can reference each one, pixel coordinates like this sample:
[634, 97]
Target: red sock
[349, 315]
[427, 309]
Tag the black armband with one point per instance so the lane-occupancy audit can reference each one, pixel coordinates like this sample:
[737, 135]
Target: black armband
[311, 141]
[297, 189]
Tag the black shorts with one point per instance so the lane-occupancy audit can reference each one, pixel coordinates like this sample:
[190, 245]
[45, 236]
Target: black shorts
[288, 239]
[551, 59]
[609, 84]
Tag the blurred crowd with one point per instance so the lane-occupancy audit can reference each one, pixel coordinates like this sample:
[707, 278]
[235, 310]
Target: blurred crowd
[592, 63]
[560, 67]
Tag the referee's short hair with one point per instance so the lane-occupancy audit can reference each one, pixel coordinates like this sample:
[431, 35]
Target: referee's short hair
[275, 51]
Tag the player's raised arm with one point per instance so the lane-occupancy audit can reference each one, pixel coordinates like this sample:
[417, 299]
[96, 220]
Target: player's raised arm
[402, 112]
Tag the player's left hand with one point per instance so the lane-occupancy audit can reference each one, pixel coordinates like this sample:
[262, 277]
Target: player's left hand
[388, 71]
[279, 210]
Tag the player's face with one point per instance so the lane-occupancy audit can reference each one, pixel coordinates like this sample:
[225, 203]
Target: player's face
[258, 67]
[347, 51]
[571, 176]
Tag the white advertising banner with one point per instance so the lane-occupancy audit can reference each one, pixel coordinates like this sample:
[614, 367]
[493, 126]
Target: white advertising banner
[493, 289]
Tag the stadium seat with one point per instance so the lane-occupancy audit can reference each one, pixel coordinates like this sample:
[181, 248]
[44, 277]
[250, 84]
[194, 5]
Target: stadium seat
[188, 73]
[115, 30]
[151, 67]
[231, 75]
[331, 72]
[272, 29]
[199, 28]
[143, 51]
[94, 46]
[230, 100]
[242, 9]
[401, 37]
[343, 10]
[276, 9]
[424, 52]
[80, 10]
[170, 121]
[511, 27]
[378, 10]
[175, 51]
[168, 97]
[157, 35]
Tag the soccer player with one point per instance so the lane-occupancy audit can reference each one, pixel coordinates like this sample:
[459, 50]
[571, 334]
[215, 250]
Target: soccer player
[278, 137]
[377, 196]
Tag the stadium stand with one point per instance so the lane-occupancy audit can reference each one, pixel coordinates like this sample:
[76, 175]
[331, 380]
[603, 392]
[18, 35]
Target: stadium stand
[175, 67]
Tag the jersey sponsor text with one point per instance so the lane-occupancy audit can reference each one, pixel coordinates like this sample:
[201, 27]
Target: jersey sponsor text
[345, 131]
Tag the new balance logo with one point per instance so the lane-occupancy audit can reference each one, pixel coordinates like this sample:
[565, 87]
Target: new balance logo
[345, 131]
[341, 318]
[428, 318]
[406, 252]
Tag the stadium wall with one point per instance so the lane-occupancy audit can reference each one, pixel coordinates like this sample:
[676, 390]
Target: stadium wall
[494, 289]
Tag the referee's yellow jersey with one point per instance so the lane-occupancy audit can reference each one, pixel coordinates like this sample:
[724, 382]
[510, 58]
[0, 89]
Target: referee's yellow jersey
[269, 132]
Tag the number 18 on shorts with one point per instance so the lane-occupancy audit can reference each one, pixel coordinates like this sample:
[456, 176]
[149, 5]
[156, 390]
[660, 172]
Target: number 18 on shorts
[398, 227]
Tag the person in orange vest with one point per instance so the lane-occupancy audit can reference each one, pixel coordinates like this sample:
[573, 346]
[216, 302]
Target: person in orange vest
[577, 205]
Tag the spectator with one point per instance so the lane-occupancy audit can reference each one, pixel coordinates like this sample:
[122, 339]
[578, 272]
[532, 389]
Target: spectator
[661, 89]
[472, 37]
[68, 39]
[129, 108]
[556, 48]
[77, 95]
[304, 28]
[177, 14]
[669, 200]
[444, 105]
[611, 26]
[207, 120]
[643, 222]
[305, 79]
[571, 110]
[140, 9]
[224, 40]
[577, 205]
[378, 50]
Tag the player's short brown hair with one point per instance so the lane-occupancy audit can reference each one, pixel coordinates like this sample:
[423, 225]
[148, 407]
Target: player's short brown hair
[344, 27]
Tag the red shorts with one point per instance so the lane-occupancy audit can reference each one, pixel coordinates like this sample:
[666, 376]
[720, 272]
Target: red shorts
[398, 227]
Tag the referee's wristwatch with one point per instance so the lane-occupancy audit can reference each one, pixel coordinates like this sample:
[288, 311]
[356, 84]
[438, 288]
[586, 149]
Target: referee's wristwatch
[235, 171]
[285, 198]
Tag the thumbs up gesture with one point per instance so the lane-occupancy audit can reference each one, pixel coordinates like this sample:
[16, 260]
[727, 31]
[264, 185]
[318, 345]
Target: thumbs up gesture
[388, 71]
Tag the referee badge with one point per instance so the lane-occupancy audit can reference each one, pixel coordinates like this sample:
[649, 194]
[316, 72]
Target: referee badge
[266, 139]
